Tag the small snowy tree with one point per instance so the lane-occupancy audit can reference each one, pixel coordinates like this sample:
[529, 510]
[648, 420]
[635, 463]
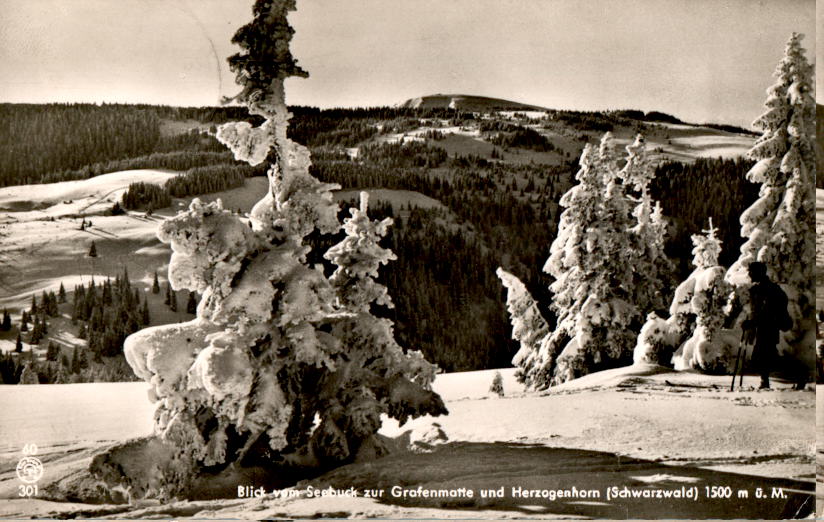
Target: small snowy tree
[29, 375]
[657, 342]
[778, 227]
[52, 352]
[6, 324]
[382, 378]
[36, 332]
[704, 295]
[530, 328]
[358, 258]
[144, 313]
[695, 327]
[280, 366]
[191, 304]
[497, 386]
[61, 376]
[173, 300]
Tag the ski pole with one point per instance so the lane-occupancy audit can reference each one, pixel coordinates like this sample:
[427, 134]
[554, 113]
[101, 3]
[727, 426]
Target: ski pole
[735, 368]
[741, 373]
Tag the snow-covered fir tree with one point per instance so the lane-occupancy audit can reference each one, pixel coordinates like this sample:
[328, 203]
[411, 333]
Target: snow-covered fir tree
[568, 261]
[281, 363]
[704, 296]
[529, 327]
[652, 268]
[61, 376]
[778, 227]
[593, 282]
[609, 267]
[381, 378]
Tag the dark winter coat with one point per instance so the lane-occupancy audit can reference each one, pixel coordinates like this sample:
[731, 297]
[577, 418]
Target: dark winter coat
[768, 305]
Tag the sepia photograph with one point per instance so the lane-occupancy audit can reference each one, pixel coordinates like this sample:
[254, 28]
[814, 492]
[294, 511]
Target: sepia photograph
[462, 259]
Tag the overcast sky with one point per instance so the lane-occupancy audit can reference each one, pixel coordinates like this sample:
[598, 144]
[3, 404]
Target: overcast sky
[702, 60]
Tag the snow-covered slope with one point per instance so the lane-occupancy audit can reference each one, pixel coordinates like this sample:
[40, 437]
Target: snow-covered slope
[74, 197]
[40, 248]
[679, 424]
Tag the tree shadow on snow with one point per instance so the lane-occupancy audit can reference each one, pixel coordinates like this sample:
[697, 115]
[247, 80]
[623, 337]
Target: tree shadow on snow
[504, 470]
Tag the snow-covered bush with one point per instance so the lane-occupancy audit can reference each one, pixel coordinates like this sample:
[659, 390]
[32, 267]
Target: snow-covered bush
[656, 342]
[281, 364]
[778, 227]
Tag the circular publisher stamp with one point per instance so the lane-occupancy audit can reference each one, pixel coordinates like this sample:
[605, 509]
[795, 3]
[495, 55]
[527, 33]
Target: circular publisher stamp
[29, 470]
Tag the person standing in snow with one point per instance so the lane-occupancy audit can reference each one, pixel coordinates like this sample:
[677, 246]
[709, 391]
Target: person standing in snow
[768, 315]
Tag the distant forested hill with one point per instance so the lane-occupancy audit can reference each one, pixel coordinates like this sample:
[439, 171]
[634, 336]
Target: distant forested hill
[496, 193]
[60, 142]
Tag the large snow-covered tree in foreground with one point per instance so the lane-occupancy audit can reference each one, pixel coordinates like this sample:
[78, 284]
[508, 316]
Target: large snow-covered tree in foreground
[779, 226]
[609, 270]
[282, 366]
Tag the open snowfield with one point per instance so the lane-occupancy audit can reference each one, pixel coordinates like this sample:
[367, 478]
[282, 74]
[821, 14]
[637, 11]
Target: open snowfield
[643, 428]
[37, 254]
[41, 244]
[688, 142]
[75, 197]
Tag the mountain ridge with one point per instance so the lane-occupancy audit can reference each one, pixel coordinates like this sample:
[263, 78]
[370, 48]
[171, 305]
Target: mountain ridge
[467, 102]
[481, 104]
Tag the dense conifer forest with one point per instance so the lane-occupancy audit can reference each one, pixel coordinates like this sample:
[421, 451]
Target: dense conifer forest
[103, 313]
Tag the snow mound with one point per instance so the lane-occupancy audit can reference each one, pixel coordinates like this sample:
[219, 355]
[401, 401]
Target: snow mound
[425, 437]
[609, 378]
